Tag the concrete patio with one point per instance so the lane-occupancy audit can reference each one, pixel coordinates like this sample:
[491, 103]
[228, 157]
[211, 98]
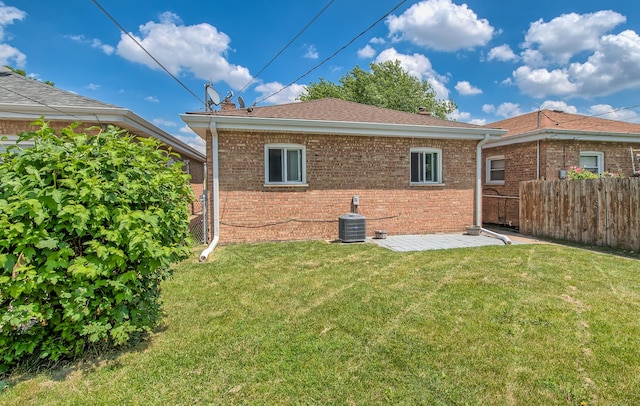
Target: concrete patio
[404, 243]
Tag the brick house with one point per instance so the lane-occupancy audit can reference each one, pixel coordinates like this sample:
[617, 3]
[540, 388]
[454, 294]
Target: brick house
[544, 145]
[287, 172]
[24, 100]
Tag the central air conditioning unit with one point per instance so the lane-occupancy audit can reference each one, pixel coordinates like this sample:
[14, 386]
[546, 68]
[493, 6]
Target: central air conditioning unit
[352, 227]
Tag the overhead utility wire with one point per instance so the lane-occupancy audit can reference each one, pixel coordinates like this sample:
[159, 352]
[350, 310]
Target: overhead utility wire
[143, 48]
[285, 47]
[335, 53]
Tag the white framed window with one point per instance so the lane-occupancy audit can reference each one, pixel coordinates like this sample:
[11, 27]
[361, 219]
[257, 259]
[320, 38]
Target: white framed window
[495, 170]
[593, 161]
[426, 165]
[284, 164]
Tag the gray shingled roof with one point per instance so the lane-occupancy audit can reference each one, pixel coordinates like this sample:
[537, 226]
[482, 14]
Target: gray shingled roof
[18, 90]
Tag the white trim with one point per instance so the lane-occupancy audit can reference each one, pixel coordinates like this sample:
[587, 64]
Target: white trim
[286, 147]
[421, 150]
[488, 171]
[599, 158]
[562, 135]
[200, 122]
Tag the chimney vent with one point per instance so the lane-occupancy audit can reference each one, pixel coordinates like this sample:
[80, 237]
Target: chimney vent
[423, 111]
[227, 105]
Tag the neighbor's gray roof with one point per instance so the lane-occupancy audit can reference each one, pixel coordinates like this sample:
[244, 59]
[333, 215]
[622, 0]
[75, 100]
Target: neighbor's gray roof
[28, 99]
[17, 89]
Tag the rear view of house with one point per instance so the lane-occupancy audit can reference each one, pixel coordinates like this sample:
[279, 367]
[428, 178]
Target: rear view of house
[544, 145]
[288, 172]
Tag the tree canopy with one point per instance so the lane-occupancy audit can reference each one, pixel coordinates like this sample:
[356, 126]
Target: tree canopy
[24, 73]
[386, 85]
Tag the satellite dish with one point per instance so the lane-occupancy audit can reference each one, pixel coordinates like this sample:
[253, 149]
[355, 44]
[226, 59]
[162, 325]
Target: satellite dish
[241, 102]
[213, 95]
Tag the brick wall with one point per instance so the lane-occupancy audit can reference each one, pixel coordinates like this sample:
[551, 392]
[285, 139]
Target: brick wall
[520, 165]
[338, 167]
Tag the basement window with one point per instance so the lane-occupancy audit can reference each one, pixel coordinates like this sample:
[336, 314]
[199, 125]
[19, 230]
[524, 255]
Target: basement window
[285, 164]
[426, 166]
[495, 170]
[593, 161]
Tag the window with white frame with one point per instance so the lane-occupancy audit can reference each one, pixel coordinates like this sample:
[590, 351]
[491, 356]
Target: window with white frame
[426, 165]
[495, 170]
[285, 164]
[592, 161]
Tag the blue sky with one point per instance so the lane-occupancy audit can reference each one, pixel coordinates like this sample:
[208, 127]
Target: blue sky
[494, 59]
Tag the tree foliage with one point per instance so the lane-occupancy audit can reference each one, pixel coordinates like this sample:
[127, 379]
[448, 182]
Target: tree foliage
[89, 225]
[24, 73]
[386, 85]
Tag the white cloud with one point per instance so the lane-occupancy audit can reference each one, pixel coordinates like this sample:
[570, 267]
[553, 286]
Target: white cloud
[558, 105]
[466, 89]
[93, 86]
[478, 121]
[165, 123]
[107, 49]
[569, 34]
[152, 99]
[312, 53]
[200, 49]
[502, 53]
[419, 66]
[8, 15]
[191, 139]
[377, 40]
[10, 55]
[488, 108]
[611, 113]
[508, 110]
[367, 52]
[540, 82]
[288, 95]
[440, 25]
[458, 115]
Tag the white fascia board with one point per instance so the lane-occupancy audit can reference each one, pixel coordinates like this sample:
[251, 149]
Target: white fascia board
[563, 135]
[203, 122]
[113, 115]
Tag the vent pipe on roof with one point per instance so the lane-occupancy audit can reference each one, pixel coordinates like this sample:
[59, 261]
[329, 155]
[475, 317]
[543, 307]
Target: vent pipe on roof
[424, 111]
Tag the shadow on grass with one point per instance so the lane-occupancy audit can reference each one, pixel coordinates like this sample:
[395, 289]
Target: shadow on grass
[94, 356]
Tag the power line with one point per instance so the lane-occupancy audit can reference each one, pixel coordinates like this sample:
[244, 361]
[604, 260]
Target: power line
[335, 53]
[147, 52]
[286, 46]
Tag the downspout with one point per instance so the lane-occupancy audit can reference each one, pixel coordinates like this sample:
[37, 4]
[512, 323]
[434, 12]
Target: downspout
[478, 205]
[216, 195]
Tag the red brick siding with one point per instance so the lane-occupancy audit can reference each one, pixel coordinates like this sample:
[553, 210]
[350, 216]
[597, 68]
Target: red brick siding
[339, 167]
[520, 165]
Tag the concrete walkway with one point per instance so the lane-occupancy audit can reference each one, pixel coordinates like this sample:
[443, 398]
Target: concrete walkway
[447, 241]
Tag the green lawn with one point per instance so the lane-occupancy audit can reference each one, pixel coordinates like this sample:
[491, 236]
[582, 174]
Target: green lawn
[319, 323]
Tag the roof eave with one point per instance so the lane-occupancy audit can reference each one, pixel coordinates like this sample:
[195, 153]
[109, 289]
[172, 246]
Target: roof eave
[117, 116]
[581, 135]
[201, 122]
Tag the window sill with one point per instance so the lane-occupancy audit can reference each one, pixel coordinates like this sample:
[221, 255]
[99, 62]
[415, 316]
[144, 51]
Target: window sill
[286, 185]
[415, 184]
[495, 182]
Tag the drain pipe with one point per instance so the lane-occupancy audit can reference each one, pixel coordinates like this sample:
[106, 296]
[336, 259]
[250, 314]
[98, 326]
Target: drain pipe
[215, 198]
[478, 202]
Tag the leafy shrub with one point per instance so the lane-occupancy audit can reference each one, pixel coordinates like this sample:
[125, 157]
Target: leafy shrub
[89, 225]
[576, 172]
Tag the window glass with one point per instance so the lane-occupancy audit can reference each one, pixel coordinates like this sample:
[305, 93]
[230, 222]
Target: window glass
[425, 166]
[590, 163]
[497, 170]
[294, 165]
[284, 163]
[275, 165]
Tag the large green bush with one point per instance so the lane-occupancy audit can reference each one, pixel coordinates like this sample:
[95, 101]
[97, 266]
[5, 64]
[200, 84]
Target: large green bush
[89, 225]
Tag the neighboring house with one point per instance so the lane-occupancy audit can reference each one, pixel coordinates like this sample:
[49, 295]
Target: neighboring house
[288, 172]
[544, 145]
[24, 100]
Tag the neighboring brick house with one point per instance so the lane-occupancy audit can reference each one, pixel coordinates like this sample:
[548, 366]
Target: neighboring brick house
[287, 172]
[544, 145]
[24, 100]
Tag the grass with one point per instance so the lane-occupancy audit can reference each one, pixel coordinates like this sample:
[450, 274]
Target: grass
[318, 323]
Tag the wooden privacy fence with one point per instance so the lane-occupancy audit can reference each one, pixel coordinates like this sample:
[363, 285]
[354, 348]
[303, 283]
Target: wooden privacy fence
[603, 212]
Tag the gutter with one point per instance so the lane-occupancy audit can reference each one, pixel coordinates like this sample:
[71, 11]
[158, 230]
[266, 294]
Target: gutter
[478, 194]
[215, 198]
